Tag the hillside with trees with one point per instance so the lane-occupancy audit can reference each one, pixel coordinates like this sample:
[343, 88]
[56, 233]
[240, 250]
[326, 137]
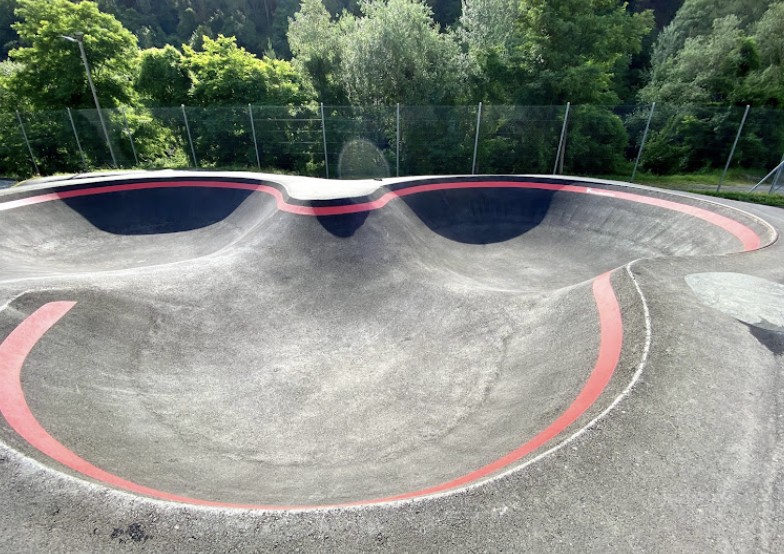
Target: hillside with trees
[374, 52]
[226, 60]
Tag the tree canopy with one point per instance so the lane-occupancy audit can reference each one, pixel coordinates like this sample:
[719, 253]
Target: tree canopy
[52, 74]
[393, 52]
[164, 79]
[535, 52]
[554, 51]
[732, 58]
[226, 74]
[317, 45]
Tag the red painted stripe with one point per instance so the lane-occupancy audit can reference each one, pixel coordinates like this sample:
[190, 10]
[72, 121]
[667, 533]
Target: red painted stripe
[749, 239]
[13, 406]
[611, 340]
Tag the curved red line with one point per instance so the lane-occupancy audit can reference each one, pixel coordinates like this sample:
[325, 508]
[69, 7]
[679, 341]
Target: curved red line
[13, 405]
[749, 239]
[611, 341]
[16, 347]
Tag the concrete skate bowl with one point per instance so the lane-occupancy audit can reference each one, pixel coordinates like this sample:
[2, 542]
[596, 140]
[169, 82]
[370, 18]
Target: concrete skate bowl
[212, 340]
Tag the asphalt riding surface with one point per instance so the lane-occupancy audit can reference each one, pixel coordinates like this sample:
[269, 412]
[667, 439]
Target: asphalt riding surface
[217, 349]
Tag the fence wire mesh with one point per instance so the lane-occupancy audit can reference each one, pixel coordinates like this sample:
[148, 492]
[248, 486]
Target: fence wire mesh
[381, 141]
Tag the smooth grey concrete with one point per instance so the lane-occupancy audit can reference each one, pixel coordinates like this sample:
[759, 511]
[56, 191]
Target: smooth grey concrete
[755, 301]
[272, 358]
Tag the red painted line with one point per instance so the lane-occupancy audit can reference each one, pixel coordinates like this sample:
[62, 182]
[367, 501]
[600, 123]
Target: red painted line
[611, 340]
[13, 405]
[16, 347]
[749, 239]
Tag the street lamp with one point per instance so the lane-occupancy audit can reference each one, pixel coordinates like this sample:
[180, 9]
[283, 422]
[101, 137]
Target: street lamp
[77, 38]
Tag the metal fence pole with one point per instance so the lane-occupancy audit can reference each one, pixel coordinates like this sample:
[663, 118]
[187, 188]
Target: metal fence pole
[78, 142]
[642, 144]
[765, 178]
[190, 140]
[476, 139]
[397, 144]
[732, 152]
[563, 135]
[324, 135]
[775, 184]
[27, 142]
[79, 40]
[130, 136]
[255, 142]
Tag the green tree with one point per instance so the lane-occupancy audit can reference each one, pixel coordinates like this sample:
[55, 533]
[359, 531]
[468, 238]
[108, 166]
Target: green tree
[696, 18]
[52, 75]
[395, 53]
[486, 33]
[712, 55]
[392, 53]
[488, 25]
[446, 12]
[163, 79]
[570, 50]
[317, 45]
[226, 78]
[545, 52]
[8, 102]
[663, 10]
[8, 37]
[765, 87]
[226, 74]
[550, 51]
[737, 61]
[707, 69]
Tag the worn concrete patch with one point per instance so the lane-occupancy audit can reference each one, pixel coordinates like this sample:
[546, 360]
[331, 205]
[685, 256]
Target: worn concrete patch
[752, 300]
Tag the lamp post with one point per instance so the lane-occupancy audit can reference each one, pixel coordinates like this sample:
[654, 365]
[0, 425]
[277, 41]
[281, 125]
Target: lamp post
[77, 38]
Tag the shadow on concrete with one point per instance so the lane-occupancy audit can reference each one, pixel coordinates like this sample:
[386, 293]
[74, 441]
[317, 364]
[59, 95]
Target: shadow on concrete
[772, 340]
[343, 226]
[481, 216]
[158, 211]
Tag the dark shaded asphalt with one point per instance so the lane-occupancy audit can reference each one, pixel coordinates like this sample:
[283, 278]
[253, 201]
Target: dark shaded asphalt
[223, 350]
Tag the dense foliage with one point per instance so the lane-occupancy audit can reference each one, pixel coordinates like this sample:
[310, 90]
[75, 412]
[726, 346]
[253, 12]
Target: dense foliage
[715, 55]
[247, 78]
[50, 68]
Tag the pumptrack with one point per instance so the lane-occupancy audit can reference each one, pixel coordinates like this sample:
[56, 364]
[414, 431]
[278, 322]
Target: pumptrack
[215, 339]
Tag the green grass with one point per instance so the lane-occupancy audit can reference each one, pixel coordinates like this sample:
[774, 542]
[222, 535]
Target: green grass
[753, 197]
[702, 179]
[736, 185]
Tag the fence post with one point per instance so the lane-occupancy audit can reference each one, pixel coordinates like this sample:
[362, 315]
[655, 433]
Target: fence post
[775, 184]
[255, 142]
[27, 142]
[776, 169]
[78, 142]
[563, 135]
[190, 140]
[397, 144]
[732, 152]
[642, 144]
[130, 136]
[324, 135]
[476, 139]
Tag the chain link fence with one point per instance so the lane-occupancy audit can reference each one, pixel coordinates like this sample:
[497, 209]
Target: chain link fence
[381, 141]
